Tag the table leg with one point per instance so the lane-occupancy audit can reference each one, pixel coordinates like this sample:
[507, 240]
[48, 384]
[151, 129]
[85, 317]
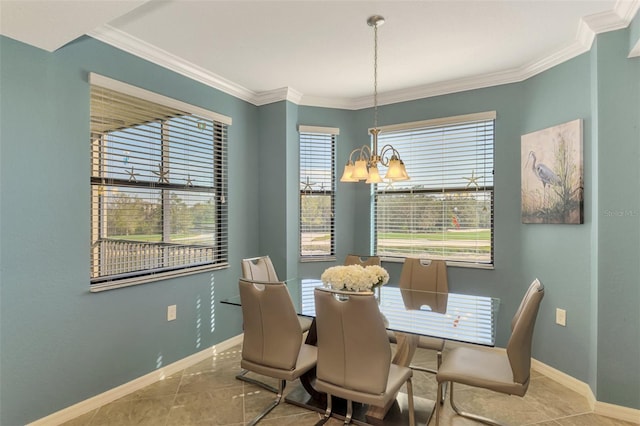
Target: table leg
[308, 378]
[405, 349]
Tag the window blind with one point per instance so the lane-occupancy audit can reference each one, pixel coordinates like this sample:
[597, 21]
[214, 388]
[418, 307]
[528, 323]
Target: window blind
[158, 190]
[445, 211]
[317, 192]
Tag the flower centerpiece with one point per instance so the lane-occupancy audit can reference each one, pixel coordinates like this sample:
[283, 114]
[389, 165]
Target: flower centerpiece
[355, 277]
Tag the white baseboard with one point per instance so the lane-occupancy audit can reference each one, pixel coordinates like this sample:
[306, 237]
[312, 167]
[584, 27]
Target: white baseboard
[619, 412]
[602, 408]
[111, 395]
[566, 380]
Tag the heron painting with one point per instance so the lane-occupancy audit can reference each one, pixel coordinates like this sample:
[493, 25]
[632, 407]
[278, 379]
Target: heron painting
[552, 175]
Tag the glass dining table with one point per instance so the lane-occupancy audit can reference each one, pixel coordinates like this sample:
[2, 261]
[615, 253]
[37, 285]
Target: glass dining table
[410, 314]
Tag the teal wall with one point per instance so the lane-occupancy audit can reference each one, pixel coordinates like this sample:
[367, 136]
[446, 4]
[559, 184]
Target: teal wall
[271, 157]
[557, 96]
[575, 262]
[61, 345]
[618, 140]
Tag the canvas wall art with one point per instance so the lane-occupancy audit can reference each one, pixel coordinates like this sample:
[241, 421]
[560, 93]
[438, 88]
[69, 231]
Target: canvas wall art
[552, 185]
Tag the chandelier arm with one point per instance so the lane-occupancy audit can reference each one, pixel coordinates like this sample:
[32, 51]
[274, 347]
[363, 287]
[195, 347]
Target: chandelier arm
[383, 157]
[364, 153]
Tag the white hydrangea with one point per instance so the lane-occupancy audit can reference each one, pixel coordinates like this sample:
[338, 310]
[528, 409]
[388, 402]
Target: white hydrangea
[355, 277]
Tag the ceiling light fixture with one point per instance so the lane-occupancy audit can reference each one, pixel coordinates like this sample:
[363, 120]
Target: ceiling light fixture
[365, 167]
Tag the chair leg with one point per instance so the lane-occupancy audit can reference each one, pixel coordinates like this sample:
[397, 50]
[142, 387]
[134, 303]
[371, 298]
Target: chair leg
[441, 397]
[274, 404]
[412, 411]
[439, 407]
[327, 413]
[471, 416]
[243, 376]
[347, 418]
[442, 394]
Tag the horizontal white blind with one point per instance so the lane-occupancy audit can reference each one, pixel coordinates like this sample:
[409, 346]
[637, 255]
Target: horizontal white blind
[317, 193]
[158, 189]
[98, 80]
[445, 210]
[464, 318]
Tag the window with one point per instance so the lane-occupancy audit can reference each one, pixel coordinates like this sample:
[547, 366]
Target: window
[317, 192]
[445, 211]
[158, 186]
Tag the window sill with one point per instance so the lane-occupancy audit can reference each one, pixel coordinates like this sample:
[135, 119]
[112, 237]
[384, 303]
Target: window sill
[317, 259]
[451, 263]
[128, 282]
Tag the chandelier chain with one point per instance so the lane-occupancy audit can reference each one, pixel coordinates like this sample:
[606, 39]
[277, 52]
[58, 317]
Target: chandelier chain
[375, 76]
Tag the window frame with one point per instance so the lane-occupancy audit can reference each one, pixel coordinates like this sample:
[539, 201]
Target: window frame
[318, 133]
[378, 189]
[217, 250]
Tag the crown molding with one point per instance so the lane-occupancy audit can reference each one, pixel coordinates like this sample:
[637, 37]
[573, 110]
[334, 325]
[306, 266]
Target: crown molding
[588, 27]
[627, 9]
[277, 95]
[336, 103]
[144, 50]
[604, 22]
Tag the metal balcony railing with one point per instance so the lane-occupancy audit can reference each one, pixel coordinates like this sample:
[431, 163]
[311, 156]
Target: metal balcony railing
[112, 259]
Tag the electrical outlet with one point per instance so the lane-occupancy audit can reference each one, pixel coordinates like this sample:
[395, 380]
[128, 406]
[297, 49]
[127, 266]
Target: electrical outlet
[561, 317]
[171, 312]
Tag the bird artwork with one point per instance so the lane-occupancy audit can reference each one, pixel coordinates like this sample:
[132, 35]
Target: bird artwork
[552, 158]
[544, 174]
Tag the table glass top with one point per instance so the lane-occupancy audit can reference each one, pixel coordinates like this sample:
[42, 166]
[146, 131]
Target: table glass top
[451, 316]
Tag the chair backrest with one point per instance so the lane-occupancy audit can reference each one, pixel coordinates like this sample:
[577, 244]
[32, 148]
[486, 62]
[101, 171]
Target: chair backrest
[353, 347]
[522, 325]
[272, 333]
[354, 259]
[259, 269]
[431, 277]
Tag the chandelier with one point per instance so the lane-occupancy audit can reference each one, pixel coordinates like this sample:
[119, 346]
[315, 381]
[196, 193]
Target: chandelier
[365, 165]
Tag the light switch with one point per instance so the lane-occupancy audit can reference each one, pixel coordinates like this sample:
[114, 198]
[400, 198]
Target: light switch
[171, 312]
[561, 317]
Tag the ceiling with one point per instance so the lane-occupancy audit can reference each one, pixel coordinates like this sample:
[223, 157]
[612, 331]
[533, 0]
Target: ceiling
[321, 52]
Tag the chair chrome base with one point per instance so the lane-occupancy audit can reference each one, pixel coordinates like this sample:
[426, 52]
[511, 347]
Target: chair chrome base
[461, 413]
[442, 397]
[274, 404]
[327, 415]
[243, 376]
[398, 415]
[349, 414]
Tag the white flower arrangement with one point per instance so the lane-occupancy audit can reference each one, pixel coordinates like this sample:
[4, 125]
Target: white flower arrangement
[355, 277]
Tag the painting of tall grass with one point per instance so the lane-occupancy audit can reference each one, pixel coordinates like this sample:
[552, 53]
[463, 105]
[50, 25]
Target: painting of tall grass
[552, 185]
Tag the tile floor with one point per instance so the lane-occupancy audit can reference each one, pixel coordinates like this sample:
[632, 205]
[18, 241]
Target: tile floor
[209, 394]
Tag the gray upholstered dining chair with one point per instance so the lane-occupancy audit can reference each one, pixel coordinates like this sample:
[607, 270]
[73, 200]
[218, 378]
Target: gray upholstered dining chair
[431, 278]
[261, 269]
[501, 370]
[354, 354]
[272, 343]
[354, 259]
[428, 276]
